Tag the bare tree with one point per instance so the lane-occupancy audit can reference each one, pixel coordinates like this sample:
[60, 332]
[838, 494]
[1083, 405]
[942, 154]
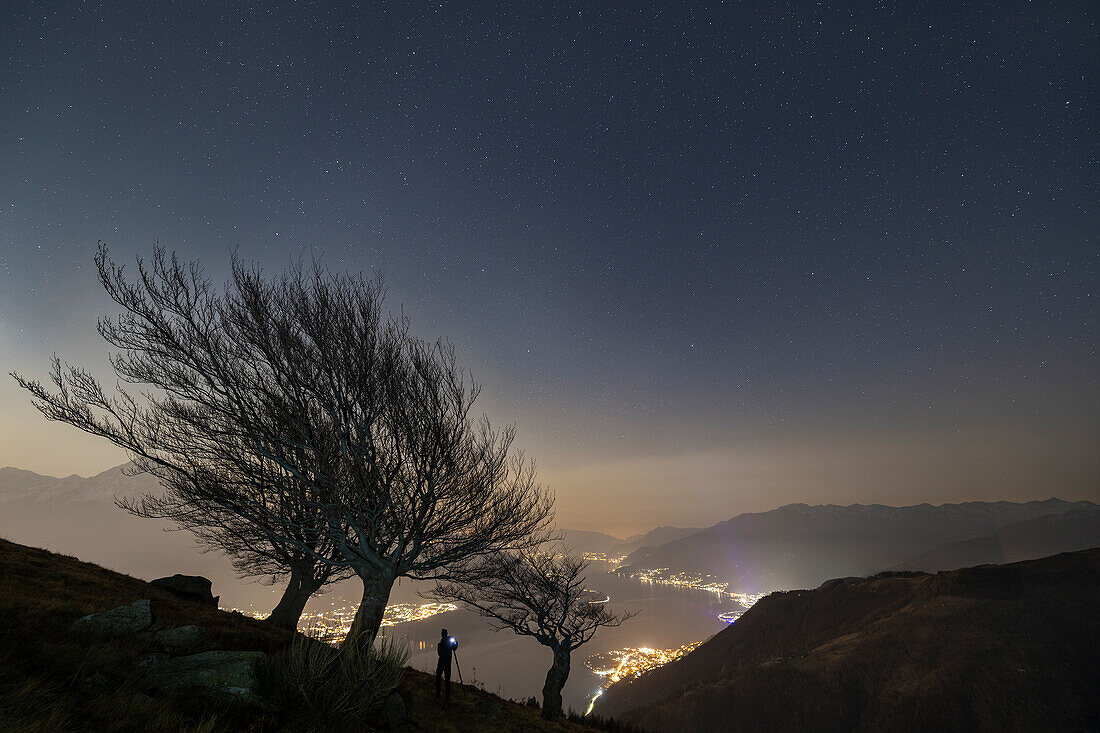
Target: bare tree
[286, 409]
[258, 546]
[537, 594]
[197, 431]
[414, 486]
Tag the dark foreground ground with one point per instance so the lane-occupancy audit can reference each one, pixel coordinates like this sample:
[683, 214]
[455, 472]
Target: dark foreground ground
[989, 648]
[52, 679]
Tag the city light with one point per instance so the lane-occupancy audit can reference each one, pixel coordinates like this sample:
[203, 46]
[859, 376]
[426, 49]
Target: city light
[335, 623]
[694, 581]
[621, 664]
[604, 557]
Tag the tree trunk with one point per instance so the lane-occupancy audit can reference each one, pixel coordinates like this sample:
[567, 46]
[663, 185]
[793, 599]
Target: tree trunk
[298, 591]
[555, 681]
[368, 619]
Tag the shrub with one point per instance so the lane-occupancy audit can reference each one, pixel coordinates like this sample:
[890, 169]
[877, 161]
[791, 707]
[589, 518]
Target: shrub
[328, 687]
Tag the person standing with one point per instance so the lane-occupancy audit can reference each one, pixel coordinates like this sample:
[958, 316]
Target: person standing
[445, 649]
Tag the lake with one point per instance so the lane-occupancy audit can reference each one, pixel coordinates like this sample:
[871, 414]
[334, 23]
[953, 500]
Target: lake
[515, 666]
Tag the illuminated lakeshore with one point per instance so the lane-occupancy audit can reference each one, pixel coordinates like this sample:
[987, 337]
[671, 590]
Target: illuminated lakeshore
[620, 664]
[604, 557]
[691, 581]
[335, 623]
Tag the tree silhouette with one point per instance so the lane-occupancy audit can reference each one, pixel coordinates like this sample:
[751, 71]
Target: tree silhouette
[288, 421]
[536, 594]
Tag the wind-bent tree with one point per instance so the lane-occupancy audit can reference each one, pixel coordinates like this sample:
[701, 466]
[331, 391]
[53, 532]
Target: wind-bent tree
[535, 594]
[286, 413]
[257, 546]
[197, 434]
[414, 487]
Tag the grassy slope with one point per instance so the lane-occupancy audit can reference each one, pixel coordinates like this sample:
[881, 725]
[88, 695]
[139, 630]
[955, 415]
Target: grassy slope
[44, 670]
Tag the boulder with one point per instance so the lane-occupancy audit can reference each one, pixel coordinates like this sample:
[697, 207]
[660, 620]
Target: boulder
[180, 640]
[393, 712]
[219, 674]
[120, 621]
[95, 683]
[194, 588]
[147, 661]
[486, 706]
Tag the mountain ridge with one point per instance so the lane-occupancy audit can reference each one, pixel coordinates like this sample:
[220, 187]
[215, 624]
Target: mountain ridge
[800, 546]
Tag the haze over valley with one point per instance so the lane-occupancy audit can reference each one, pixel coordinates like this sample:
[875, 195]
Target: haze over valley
[680, 580]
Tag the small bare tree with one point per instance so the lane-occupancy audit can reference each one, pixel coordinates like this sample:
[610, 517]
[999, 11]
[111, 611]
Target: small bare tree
[536, 594]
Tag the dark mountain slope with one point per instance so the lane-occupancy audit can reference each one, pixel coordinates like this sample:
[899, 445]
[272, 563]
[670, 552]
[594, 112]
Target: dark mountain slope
[992, 648]
[800, 546]
[1076, 529]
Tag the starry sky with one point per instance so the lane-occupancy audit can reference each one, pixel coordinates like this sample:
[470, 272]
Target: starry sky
[708, 257]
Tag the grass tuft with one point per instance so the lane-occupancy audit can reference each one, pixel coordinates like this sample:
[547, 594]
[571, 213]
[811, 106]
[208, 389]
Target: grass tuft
[329, 687]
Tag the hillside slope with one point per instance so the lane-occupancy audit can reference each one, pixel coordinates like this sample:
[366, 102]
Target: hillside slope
[991, 648]
[54, 680]
[800, 546]
[77, 516]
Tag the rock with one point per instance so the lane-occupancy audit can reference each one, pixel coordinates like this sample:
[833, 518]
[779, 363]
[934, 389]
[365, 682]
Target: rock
[220, 674]
[393, 711]
[194, 588]
[95, 682]
[180, 640]
[119, 621]
[485, 706]
[151, 660]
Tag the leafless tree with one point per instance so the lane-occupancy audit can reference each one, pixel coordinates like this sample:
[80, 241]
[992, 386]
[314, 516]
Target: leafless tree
[537, 594]
[286, 409]
[258, 546]
[197, 431]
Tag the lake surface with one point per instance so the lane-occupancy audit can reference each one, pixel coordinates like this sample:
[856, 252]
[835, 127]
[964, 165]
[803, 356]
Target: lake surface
[515, 666]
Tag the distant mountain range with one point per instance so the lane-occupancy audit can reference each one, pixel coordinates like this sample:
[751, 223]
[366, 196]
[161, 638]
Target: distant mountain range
[795, 546]
[800, 546]
[77, 516]
[17, 484]
[997, 647]
[583, 541]
[1077, 529]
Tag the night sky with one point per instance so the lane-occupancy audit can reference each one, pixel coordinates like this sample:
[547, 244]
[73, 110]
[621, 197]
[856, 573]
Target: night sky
[708, 259]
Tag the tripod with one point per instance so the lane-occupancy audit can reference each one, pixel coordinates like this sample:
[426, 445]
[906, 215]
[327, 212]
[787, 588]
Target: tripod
[459, 668]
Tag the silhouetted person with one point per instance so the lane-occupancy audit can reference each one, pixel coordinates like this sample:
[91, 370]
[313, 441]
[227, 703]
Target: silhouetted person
[445, 649]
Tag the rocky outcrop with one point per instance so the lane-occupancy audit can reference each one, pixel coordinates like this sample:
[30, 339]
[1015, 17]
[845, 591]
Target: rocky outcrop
[120, 621]
[194, 588]
[181, 640]
[182, 659]
[224, 675]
